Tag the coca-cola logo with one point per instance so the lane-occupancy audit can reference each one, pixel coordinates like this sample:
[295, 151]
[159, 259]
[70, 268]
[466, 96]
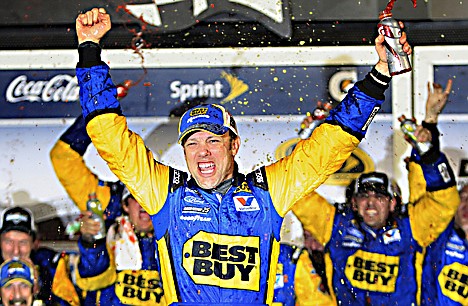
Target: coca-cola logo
[59, 88]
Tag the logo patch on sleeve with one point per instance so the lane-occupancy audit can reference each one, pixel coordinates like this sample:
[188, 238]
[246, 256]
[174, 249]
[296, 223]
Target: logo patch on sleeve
[246, 203]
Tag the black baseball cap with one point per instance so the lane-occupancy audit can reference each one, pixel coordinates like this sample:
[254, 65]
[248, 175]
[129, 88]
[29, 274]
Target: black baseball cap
[377, 182]
[18, 219]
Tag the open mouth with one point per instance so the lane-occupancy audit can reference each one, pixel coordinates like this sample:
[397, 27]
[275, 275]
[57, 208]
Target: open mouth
[206, 167]
[371, 212]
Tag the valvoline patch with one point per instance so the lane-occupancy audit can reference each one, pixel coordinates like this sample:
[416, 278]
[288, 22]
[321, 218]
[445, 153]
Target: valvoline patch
[246, 203]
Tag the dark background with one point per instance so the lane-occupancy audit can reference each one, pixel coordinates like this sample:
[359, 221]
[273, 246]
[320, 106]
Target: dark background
[49, 24]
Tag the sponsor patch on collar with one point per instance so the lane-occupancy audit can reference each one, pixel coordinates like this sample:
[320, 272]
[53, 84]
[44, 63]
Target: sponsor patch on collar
[391, 235]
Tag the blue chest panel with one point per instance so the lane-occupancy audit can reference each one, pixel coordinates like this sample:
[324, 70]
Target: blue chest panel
[220, 245]
[373, 265]
[445, 272]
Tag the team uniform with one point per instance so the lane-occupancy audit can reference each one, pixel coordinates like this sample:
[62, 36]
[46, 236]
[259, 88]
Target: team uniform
[297, 281]
[122, 270]
[77, 179]
[379, 267]
[98, 278]
[54, 268]
[445, 272]
[445, 269]
[218, 249]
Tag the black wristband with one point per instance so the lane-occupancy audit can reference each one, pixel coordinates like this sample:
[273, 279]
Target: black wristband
[380, 77]
[89, 54]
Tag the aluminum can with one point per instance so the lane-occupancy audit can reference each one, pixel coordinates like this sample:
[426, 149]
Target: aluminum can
[398, 61]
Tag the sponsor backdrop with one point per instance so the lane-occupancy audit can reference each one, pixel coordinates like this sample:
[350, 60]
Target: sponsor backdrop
[268, 90]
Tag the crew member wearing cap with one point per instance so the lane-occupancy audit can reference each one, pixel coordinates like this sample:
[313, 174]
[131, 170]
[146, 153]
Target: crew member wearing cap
[373, 247]
[122, 269]
[17, 240]
[18, 232]
[218, 231]
[17, 283]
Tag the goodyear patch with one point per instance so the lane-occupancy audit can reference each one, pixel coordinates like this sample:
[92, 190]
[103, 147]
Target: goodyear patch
[392, 235]
[453, 282]
[223, 261]
[372, 271]
[141, 287]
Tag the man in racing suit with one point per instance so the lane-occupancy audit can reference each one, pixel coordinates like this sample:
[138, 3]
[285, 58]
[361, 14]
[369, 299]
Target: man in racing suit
[300, 275]
[445, 270]
[97, 278]
[75, 176]
[217, 232]
[123, 267]
[372, 251]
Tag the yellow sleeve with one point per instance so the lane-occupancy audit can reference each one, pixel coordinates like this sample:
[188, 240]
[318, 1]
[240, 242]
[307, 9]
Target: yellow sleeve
[130, 160]
[316, 216]
[75, 176]
[416, 182]
[309, 165]
[307, 284]
[62, 285]
[433, 211]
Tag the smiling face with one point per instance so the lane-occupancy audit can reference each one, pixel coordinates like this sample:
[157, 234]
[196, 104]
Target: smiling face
[16, 244]
[461, 217]
[210, 158]
[374, 208]
[140, 219]
[17, 293]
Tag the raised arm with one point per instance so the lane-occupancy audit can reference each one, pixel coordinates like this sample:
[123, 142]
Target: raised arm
[124, 151]
[316, 158]
[433, 195]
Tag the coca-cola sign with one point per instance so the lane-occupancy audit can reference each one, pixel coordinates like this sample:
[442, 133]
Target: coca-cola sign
[59, 88]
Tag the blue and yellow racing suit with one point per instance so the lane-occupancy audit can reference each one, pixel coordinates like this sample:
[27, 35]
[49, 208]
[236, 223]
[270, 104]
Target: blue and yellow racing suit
[75, 176]
[106, 285]
[297, 281]
[218, 249]
[366, 266]
[445, 270]
[445, 267]
[96, 278]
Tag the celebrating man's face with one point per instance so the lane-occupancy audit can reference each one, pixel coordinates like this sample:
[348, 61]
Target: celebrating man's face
[16, 244]
[17, 294]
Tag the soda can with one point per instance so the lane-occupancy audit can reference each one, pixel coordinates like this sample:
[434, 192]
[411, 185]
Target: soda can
[398, 61]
